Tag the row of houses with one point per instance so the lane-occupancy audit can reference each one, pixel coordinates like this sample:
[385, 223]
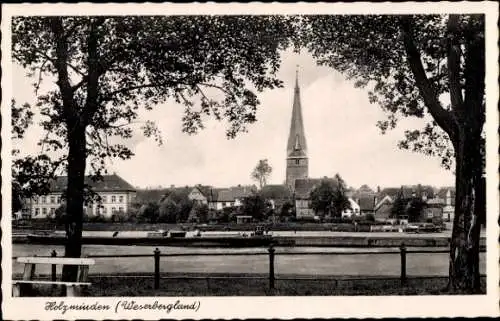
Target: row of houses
[117, 195]
[439, 202]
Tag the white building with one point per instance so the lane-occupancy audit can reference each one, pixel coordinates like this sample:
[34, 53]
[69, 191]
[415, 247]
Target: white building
[354, 210]
[116, 196]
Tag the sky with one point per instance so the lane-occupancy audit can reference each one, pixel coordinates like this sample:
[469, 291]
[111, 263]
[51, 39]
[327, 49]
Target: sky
[340, 126]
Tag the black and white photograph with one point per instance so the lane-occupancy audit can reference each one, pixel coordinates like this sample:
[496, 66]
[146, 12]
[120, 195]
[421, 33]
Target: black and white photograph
[172, 159]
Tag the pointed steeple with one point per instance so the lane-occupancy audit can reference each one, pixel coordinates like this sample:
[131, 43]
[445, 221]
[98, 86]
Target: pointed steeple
[297, 140]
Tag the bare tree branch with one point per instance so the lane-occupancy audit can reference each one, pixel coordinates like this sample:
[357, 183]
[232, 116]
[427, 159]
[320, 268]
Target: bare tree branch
[37, 85]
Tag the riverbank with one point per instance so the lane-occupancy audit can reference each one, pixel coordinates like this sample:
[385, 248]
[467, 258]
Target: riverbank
[346, 226]
[232, 239]
[199, 284]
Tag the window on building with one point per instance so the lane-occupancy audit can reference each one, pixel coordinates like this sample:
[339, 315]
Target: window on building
[44, 199]
[52, 211]
[35, 200]
[113, 199]
[120, 199]
[36, 211]
[297, 161]
[113, 209]
[52, 200]
[104, 210]
[430, 214]
[59, 200]
[44, 211]
[120, 209]
[104, 199]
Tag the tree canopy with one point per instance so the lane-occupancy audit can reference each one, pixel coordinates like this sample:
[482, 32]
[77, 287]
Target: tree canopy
[261, 172]
[328, 198]
[403, 61]
[107, 68]
[418, 65]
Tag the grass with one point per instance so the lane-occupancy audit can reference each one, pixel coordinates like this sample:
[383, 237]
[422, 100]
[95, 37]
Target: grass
[257, 285]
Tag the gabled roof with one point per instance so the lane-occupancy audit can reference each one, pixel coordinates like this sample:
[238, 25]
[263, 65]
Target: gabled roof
[384, 210]
[386, 200]
[435, 202]
[366, 203]
[304, 186]
[390, 191]
[275, 192]
[441, 193]
[210, 193]
[408, 191]
[235, 192]
[109, 183]
[150, 195]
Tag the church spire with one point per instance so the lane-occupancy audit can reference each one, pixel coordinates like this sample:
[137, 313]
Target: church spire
[297, 78]
[297, 139]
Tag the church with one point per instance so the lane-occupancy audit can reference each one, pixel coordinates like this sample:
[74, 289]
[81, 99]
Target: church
[297, 162]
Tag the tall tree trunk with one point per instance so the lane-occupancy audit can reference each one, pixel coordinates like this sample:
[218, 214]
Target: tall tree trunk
[469, 214]
[75, 197]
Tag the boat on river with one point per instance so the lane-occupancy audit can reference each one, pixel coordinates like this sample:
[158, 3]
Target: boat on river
[160, 238]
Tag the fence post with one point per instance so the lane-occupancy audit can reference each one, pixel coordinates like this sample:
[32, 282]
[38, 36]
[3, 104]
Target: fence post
[157, 268]
[54, 271]
[271, 251]
[402, 248]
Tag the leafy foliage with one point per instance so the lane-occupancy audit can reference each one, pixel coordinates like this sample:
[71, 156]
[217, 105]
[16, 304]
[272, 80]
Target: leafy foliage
[418, 66]
[328, 198]
[149, 212]
[377, 58]
[117, 65]
[256, 206]
[107, 68]
[261, 172]
[199, 213]
[398, 208]
[414, 209]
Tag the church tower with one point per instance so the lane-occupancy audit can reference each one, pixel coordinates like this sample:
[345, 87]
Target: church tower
[297, 164]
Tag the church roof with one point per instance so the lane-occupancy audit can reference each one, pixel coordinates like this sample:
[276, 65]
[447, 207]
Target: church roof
[275, 192]
[304, 186]
[296, 140]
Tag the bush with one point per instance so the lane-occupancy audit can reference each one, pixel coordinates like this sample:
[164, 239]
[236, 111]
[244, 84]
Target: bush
[149, 213]
[97, 218]
[370, 218]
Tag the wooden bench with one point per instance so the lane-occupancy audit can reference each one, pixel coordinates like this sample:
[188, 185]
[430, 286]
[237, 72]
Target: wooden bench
[30, 269]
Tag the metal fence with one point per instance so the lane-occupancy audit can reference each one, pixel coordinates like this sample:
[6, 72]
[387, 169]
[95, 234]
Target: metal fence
[270, 252]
